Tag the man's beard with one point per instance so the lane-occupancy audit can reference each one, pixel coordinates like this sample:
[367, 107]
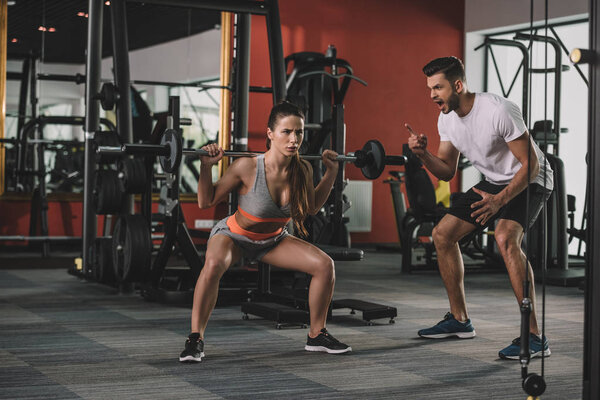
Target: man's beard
[453, 102]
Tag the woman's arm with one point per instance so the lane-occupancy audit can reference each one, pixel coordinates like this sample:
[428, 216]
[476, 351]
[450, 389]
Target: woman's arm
[320, 194]
[210, 194]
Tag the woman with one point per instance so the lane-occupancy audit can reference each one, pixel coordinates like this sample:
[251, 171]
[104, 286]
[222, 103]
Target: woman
[272, 188]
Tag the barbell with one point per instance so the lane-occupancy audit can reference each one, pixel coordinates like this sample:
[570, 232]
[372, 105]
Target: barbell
[371, 159]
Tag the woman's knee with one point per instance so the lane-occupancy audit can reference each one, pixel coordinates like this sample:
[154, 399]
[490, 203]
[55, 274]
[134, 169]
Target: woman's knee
[213, 269]
[326, 268]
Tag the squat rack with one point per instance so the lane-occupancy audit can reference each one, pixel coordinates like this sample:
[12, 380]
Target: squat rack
[245, 8]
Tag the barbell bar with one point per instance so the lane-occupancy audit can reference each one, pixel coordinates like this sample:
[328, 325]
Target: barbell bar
[371, 159]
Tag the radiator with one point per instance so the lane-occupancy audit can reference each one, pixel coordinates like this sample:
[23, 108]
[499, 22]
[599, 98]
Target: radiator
[360, 194]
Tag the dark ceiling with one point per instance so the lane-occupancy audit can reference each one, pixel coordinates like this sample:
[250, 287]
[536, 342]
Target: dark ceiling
[147, 25]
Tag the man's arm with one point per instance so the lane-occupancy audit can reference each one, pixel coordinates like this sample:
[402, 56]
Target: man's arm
[490, 204]
[520, 181]
[444, 165]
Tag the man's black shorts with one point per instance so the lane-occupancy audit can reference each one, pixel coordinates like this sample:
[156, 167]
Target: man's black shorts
[515, 209]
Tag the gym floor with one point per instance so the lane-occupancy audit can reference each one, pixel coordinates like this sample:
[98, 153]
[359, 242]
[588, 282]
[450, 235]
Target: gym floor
[64, 338]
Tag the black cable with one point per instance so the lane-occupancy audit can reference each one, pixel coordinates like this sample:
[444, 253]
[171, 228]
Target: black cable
[545, 229]
[526, 308]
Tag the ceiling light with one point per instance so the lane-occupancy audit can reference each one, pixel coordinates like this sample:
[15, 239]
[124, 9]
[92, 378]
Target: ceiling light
[51, 29]
[107, 3]
[14, 40]
[42, 28]
[81, 14]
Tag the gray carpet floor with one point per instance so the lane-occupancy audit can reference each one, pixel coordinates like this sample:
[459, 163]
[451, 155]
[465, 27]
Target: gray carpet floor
[66, 338]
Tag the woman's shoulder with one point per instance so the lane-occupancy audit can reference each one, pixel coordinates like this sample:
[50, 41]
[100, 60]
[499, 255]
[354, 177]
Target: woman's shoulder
[244, 165]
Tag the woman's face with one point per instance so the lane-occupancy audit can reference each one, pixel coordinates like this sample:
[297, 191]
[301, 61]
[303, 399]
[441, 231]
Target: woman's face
[287, 135]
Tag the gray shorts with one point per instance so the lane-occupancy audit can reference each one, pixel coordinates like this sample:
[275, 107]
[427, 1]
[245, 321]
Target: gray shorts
[251, 249]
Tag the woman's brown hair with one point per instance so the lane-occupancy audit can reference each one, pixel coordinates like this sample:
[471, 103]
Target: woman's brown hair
[298, 177]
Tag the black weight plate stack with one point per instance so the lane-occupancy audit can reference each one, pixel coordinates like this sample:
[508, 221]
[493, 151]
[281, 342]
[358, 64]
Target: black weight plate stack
[132, 175]
[131, 248]
[107, 196]
[173, 140]
[375, 159]
[102, 268]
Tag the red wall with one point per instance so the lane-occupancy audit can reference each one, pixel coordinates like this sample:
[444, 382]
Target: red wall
[65, 217]
[387, 43]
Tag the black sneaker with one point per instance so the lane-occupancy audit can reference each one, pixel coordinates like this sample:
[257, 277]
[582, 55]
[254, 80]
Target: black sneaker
[194, 350]
[326, 343]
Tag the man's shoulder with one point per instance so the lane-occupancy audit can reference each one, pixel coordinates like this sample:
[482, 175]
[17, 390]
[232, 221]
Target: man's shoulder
[495, 101]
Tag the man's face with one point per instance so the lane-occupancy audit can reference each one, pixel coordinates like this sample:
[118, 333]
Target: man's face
[442, 92]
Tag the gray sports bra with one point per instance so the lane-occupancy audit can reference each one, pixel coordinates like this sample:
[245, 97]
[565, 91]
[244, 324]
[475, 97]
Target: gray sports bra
[258, 205]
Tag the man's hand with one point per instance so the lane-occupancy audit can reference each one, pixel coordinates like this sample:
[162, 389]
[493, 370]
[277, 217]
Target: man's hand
[487, 207]
[416, 142]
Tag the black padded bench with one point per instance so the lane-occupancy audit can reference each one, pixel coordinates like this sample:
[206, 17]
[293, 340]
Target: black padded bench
[265, 307]
[342, 253]
[369, 310]
[279, 313]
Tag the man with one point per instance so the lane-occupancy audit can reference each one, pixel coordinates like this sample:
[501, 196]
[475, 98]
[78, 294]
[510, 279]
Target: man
[490, 132]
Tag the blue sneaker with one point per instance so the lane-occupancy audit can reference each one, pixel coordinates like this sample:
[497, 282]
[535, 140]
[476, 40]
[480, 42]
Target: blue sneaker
[449, 327]
[511, 352]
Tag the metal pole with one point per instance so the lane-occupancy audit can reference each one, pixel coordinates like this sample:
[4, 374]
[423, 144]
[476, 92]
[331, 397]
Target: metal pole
[225, 80]
[276, 51]
[240, 92]
[92, 118]
[524, 63]
[164, 150]
[33, 100]
[3, 43]
[242, 83]
[557, 76]
[242, 6]
[121, 70]
[23, 90]
[591, 342]
[338, 143]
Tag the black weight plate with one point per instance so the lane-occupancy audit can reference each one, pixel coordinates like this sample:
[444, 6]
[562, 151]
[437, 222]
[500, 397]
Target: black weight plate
[102, 268]
[107, 196]
[118, 246]
[534, 385]
[131, 248]
[138, 245]
[173, 140]
[108, 96]
[132, 174]
[375, 159]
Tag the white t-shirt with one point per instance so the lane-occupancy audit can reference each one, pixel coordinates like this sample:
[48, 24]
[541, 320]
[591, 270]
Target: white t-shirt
[482, 134]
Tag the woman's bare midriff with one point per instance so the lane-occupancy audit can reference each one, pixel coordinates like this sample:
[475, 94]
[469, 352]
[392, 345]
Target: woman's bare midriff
[257, 227]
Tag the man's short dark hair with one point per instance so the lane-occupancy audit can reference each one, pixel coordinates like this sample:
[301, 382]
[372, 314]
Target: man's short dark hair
[452, 68]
